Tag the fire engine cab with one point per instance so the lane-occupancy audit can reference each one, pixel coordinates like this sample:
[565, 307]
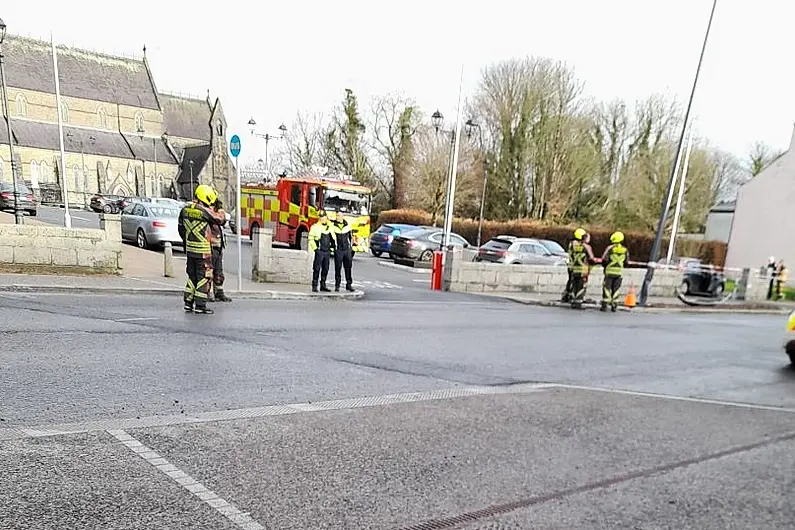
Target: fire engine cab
[291, 205]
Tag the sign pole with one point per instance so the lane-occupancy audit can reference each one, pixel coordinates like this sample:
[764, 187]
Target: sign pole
[234, 148]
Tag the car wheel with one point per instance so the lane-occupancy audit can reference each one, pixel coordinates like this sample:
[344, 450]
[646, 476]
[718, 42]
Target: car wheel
[427, 255]
[376, 253]
[719, 291]
[685, 287]
[140, 239]
[107, 208]
[32, 213]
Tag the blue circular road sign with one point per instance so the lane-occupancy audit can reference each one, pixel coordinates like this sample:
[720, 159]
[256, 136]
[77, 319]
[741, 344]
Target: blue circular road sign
[234, 145]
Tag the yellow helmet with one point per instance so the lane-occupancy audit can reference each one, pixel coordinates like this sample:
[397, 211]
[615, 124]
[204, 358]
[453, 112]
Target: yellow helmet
[206, 194]
[617, 237]
[579, 234]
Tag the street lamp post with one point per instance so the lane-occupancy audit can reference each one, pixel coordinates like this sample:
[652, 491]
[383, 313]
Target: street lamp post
[267, 137]
[192, 190]
[18, 219]
[668, 197]
[437, 120]
[471, 125]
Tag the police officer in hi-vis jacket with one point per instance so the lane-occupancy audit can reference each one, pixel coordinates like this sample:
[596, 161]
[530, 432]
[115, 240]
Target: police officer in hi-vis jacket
[322, 242]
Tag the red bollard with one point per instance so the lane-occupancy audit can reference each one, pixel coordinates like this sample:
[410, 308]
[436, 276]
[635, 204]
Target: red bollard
[436, 270]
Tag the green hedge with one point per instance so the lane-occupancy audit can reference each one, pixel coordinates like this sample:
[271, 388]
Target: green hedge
[639, 243]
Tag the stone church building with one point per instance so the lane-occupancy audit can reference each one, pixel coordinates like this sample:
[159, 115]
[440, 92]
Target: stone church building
[121, 135]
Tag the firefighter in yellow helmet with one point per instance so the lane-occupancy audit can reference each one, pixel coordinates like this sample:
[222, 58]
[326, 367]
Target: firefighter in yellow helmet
[614, 258]
[195, 228]
[580, 259]
[567, 291]
[218, 244]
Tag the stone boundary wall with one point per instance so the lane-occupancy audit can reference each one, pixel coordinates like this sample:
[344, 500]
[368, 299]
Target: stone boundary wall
[59, 249]
[461, 275]
[278, 265]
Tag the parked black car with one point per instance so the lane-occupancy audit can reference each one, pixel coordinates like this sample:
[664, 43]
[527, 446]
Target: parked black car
[26, 201]
[109, 203]
[702, 280]
[419, 244]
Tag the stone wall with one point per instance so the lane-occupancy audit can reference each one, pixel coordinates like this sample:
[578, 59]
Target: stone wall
[55, 249]
[465, 276]
[278, 265]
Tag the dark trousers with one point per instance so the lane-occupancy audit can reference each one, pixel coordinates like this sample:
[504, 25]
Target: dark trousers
[610, 291]
[343, 259]
[770, 288]
[579, 283]
[567, 291]
[218, 270]
[320, 268]
[199, 270]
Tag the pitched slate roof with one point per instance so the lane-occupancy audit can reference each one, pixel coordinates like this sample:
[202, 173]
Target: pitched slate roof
[104, 143]
[186, 117]
[199, 154]
[82, 74]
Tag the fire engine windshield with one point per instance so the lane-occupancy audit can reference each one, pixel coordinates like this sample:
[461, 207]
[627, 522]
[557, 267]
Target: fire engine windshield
[346, 201]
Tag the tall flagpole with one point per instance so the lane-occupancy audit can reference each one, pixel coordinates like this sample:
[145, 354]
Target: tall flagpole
[448, 214]
[678, 210]
[67, 218]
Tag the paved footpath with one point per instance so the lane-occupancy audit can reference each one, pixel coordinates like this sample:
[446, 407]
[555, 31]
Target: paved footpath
[124, 412]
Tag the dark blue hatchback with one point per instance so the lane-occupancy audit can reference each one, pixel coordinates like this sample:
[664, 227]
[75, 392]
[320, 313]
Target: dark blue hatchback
[381, 239]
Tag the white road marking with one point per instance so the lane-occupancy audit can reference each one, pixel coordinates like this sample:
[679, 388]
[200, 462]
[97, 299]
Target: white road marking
[376, 284]
[240, 519]
[135, 319]
[261, 412]
[421, 280]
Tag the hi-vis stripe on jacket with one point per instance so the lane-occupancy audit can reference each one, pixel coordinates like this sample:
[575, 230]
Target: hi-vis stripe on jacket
[195, 222]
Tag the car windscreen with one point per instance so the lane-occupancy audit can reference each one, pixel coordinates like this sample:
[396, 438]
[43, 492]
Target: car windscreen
[21, 188]
[158, 211]
[497, 244]
[415, 234]
[553, 246]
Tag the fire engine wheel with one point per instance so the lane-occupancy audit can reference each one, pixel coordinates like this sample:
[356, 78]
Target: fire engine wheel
[299, 236]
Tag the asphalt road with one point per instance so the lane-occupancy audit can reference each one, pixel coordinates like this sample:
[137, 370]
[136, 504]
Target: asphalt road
[123, 412]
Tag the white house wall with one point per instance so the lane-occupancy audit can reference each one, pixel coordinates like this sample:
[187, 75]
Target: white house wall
[764, 217]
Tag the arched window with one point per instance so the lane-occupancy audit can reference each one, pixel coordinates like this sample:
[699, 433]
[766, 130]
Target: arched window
[219, 128]
[64, 112]
[139, 121]
[22, 105]
[78, 184]
[34, 174]
[161, 189]
[44, 170]
[102, 118]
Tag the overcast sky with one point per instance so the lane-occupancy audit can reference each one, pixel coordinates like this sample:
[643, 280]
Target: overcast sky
[270, 59]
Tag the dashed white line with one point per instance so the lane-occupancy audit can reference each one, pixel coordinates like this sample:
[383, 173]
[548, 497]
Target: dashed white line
[239, 518]
[135, 319]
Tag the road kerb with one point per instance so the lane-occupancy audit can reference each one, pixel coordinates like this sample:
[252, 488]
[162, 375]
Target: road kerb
[404, 267]
[652, 309]
[246, 295]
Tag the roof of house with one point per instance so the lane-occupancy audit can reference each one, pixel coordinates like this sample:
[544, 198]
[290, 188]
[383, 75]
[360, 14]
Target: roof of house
[105, 143]
[724, 207]
[186, 117]
[199, 155]
[82, 74]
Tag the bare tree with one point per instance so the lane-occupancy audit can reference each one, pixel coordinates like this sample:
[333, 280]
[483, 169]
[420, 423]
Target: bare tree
[304, 142]
[395, 121]
[760, 157]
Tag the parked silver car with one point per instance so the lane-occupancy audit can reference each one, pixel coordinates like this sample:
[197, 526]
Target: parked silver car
[518, 250]
[150, 224]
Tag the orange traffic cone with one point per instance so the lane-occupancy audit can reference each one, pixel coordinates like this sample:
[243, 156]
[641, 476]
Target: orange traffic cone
[629, 299]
